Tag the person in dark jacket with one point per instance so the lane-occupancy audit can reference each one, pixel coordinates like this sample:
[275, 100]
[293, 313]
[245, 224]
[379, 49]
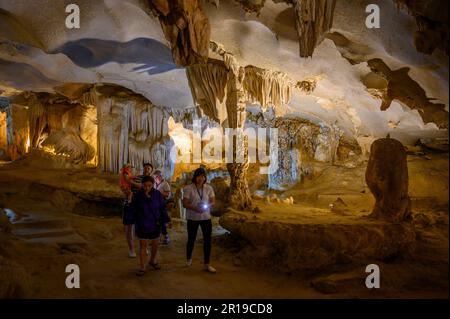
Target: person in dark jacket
[150, 214]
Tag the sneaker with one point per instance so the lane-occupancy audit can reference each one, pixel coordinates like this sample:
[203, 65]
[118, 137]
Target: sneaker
[189, 262]
[131, 254]
[210, 269]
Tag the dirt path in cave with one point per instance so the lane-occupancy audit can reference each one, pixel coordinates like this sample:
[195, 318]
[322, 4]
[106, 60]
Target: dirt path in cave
[107, 272]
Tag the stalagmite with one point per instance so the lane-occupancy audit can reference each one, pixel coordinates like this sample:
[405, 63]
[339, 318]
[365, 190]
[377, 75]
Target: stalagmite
[312, 19]
[239, 194]
[387, 178]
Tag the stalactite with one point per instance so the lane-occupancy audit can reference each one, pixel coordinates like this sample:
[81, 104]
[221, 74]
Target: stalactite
[208, 86]
[313, 19]
[185, 116]
[130, 130]
[267, 87]
[239, 194]
[186, 27]
[112, 135]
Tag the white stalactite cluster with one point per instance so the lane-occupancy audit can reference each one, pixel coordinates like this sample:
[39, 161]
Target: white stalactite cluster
[132, 130]
[267, 87]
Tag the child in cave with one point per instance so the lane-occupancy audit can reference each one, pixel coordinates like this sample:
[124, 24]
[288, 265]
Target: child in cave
[164, 187]
[128, 184]
[150, 213]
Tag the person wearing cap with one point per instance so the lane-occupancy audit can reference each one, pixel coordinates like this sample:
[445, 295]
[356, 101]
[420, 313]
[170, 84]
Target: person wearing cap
[198, 198]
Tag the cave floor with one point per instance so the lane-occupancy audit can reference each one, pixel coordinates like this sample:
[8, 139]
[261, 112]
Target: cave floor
[37, 255]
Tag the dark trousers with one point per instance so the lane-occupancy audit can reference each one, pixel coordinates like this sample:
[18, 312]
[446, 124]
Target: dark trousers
[192, 228]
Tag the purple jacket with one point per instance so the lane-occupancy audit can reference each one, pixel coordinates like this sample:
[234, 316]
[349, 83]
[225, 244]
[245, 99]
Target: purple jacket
[150, 212]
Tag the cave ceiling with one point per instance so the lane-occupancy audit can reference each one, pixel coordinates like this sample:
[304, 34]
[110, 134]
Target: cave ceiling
[136, 44]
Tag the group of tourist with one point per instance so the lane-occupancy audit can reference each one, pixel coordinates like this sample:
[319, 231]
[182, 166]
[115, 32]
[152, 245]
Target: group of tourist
[148, 199]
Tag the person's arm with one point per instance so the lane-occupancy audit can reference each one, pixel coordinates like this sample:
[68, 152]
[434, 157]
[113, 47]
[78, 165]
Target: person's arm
[131, 181]
[165, 217]
[188, 205]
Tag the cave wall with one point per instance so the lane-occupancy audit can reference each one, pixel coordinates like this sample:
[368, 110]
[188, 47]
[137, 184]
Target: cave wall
[105, 127]
[132, 130]
[19, 131]
[3, 137]
[53, 124]
[301, 144]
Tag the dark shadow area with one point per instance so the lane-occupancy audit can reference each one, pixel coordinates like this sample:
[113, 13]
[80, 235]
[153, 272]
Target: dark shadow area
[155, 56]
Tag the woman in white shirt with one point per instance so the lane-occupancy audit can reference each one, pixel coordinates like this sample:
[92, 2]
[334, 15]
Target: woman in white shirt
[198, 198]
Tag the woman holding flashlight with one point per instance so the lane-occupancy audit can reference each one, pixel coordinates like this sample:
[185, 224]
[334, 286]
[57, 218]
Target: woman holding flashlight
[198, 198]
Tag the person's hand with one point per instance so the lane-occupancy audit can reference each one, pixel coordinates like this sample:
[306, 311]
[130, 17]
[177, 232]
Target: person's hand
[203, 207]
[198, 209]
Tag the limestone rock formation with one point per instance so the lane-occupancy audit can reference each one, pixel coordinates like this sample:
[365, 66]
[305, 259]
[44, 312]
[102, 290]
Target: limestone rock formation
[315, 241]
[401, 87]
[387, 178]
[301, 143]
[186, 27]
[131, 130]
[313, 19]
[222, 89]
